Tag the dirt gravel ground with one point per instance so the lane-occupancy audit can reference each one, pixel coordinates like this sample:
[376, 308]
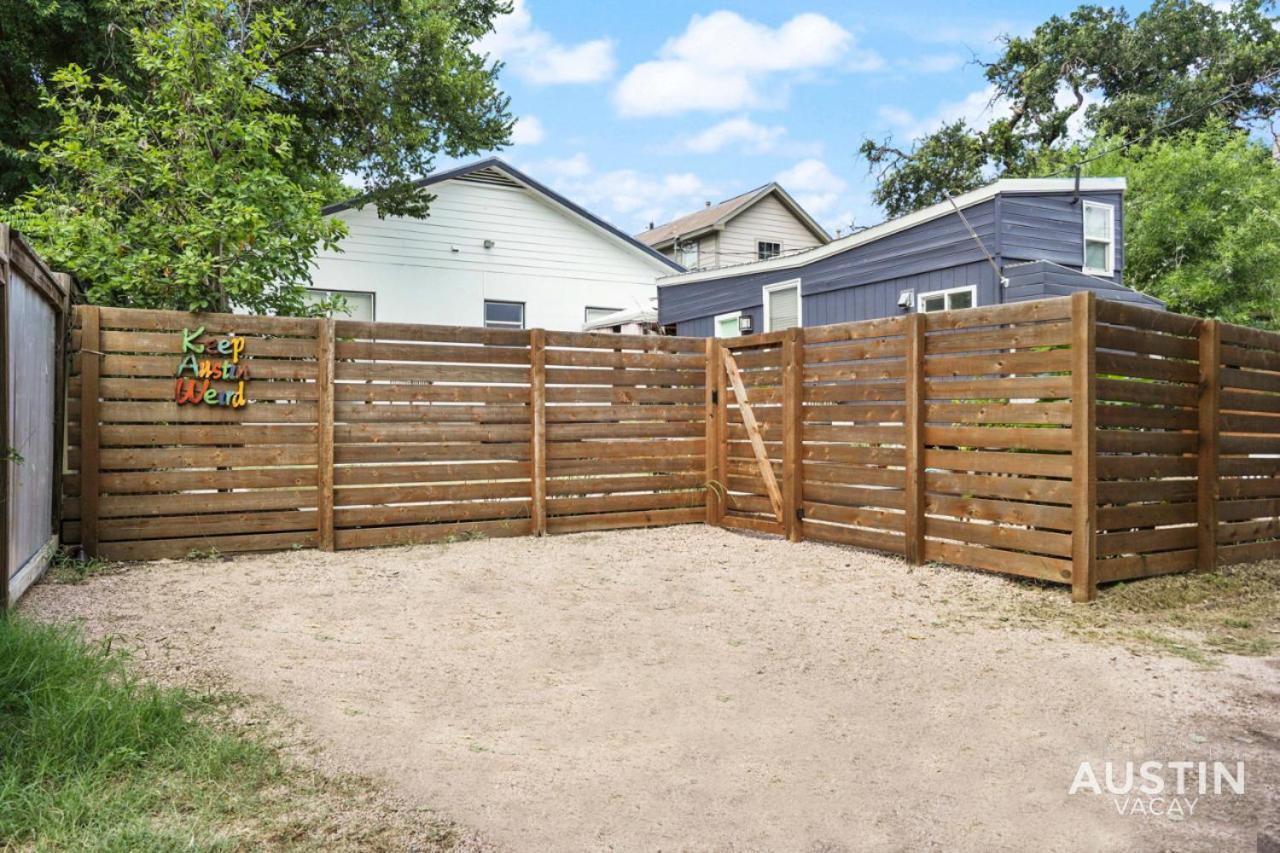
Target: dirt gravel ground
[696, 689]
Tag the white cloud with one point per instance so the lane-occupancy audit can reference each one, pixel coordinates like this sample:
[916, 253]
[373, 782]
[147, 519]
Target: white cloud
[724, 62]
[814, 185]
[528, 131]
[536, 56]
[628, 197]
[742, 131]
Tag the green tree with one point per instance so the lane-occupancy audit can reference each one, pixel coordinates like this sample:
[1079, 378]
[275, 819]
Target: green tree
[1179, 65]
[183, 192]
[379, 87]
[1202, 221]
[37, 37]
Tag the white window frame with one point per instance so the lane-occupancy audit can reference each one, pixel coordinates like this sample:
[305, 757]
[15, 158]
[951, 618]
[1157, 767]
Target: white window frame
[971, 288]
[732, 315]
[686, 246]
[587, 309]
[784, 285]
[1085, 238]
[484, 315]
[776, 242]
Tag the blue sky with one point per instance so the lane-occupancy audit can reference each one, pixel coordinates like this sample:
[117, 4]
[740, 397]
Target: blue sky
[643, 111]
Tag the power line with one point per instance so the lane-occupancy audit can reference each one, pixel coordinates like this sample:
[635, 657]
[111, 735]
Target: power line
[1231, 92]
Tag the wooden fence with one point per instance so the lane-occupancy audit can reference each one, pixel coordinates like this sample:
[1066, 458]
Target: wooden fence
[34, 303]
[1071, 440]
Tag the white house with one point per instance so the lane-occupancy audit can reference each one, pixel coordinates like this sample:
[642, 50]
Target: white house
[757, 225]
[497, 249]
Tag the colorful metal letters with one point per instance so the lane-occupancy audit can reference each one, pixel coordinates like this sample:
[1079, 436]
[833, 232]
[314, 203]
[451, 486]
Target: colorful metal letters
[202, 371]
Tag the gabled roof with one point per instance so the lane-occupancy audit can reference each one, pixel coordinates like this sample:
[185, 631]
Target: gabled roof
[718, 215]
[495, 170]
[902, 223]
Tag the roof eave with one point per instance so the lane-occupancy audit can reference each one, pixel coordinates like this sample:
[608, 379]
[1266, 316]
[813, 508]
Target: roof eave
[902, 223]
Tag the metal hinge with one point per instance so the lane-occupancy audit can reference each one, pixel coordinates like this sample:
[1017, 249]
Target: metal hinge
[799, 513]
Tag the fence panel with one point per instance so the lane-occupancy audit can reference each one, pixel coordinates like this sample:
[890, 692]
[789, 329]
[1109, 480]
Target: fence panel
[625, 431]
[226, 473]
[432, 433]
[854, 436]
[1248, 446]
[997, 438]
[1148, 401]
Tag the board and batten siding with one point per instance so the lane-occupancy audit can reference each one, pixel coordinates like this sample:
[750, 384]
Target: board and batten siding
[1050, 228]
[541, 256]
[864, 282]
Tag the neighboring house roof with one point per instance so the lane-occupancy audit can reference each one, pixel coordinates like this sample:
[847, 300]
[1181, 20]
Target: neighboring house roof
[716, 216]
[498, 171]
[893, 226]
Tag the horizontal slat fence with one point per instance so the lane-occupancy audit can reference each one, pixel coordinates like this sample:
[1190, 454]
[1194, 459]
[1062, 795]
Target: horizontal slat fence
[998, 438]
[1148, 415]
[1248, 445]
[432, 433]
[625, 431]
[163, 480]
[853, 434]
[1072, 440]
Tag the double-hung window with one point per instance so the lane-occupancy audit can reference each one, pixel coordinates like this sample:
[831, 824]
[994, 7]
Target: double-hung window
[1099, 238]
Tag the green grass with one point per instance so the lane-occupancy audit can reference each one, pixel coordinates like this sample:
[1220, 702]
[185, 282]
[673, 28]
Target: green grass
[93, 757]
[1197, 616]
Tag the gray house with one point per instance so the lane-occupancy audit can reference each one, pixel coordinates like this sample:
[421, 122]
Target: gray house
[1046, 237]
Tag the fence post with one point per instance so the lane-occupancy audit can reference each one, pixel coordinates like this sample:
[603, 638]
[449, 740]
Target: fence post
[715, 477]
[913, 441]
[1084, 446]
[90, 369]
[538, 416]
[324, 431]
[1207, 446]
[721, 448]
[792, 432]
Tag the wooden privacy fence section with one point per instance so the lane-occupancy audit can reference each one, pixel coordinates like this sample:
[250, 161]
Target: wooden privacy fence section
[1071, 440]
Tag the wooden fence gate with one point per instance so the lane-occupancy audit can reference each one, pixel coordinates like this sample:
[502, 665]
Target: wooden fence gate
[33, 307]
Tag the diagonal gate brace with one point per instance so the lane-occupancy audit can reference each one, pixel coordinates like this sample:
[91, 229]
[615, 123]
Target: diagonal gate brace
[753, 433]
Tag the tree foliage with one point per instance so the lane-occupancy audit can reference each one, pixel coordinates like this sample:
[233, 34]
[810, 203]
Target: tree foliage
[184, 192]
[1179, 65]
[378, 87]
[1202, 221]
[38, 37]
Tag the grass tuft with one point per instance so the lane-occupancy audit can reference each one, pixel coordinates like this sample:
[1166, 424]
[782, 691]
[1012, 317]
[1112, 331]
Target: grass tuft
[93, 757]
[1197, 616]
